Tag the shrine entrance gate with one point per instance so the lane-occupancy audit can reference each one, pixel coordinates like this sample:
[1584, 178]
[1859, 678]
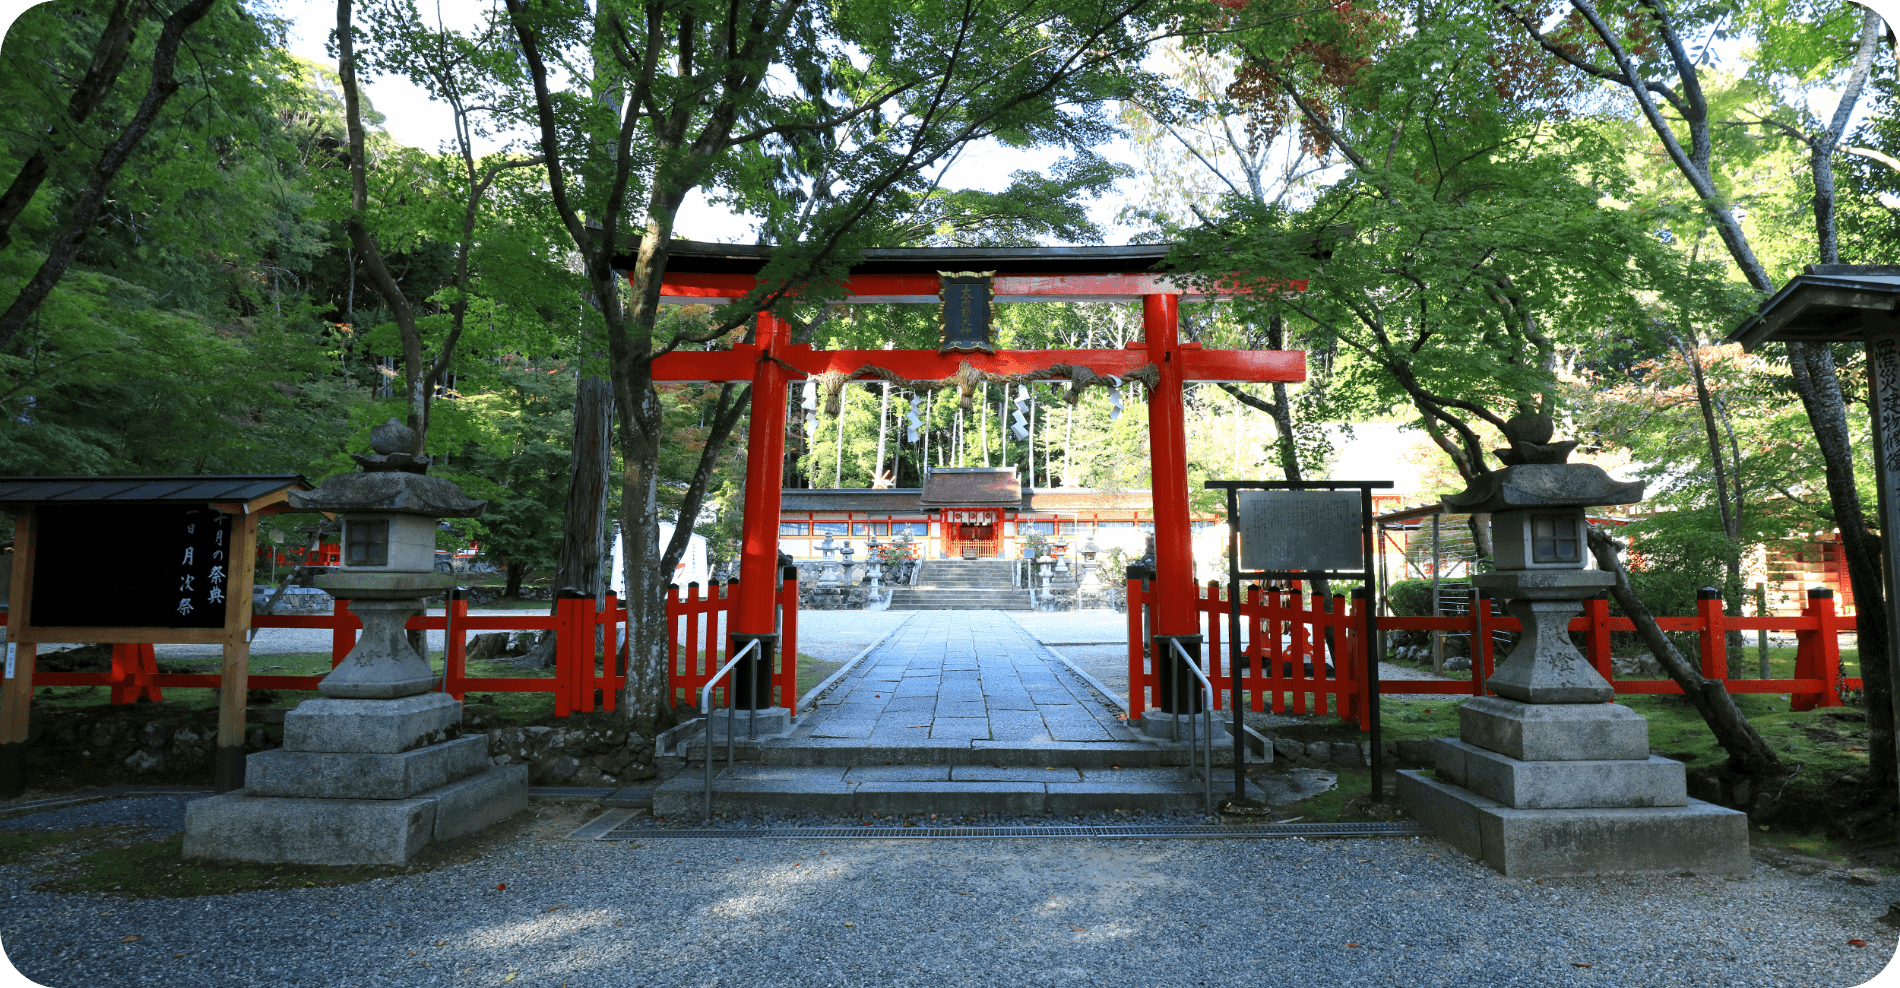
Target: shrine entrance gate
[703, 273]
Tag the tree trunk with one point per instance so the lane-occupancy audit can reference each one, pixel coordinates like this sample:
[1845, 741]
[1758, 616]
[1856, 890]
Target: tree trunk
[1748, 753]
[102, 74]
[583, 557]
[883, 429]
[1819, 388]
[1727, 498]
[516, 573]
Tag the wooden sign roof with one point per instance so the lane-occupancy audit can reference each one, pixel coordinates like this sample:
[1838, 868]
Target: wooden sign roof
[1825, 303]
[18, 492]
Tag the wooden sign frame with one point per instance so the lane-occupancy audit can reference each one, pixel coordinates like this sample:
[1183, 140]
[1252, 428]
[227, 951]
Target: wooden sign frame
[23, 638]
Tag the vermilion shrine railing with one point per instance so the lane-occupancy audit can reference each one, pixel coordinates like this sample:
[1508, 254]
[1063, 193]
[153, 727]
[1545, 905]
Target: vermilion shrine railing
[584, 678]
[1282, 664]
[697, 641]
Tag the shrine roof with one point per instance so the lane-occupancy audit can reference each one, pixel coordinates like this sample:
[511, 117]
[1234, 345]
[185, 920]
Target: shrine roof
[1068, 499]
[972, 486]
[896, 500]
[699, 257]
[22, 491]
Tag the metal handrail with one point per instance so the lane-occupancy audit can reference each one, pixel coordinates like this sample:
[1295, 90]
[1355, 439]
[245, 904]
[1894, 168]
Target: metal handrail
[1207, 711]
[732, 701]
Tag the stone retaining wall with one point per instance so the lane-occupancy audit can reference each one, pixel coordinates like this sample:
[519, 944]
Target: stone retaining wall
[162, 743]
[1314, 754]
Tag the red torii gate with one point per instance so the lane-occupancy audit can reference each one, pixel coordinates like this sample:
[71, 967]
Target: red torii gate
[702, 273]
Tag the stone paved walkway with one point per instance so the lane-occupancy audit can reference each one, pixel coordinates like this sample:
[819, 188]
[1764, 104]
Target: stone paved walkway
[963, 676]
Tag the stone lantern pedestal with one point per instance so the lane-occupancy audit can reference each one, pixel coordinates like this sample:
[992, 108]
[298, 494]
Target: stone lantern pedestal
[1549, 777]
[376, 768]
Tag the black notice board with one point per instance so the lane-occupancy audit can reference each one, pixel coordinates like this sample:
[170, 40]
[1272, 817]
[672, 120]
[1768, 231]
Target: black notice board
[131, 566]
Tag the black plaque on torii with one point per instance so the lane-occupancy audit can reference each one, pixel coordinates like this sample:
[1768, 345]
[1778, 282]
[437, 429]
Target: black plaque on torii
[963, 312]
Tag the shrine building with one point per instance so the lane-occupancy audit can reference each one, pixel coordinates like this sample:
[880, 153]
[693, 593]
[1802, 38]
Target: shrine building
[969, 512]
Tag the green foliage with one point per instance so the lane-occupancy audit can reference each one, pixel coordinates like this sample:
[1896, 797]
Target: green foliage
[518, 461]
[1678, 553]
[1410, 598]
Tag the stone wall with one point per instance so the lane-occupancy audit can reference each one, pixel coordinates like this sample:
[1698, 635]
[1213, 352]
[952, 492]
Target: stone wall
[593, 755]
[161, 743]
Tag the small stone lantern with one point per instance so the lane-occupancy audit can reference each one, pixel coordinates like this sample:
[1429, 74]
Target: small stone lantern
[1091, 571]
[377, 767]
[1548, 777]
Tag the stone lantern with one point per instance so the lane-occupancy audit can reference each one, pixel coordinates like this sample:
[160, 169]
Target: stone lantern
[873, 565]
[1549, 777]
[377, 767]
[830, 575]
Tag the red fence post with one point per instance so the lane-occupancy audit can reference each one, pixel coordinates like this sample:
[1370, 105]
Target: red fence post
[134, 673]
[1596, 635]
[1713, 640]
[1250, 623]
[788, 641]
[611, 679]
[565, 654]
[1137, 649]
[1481, 645]
[455, 646]
[1828, 645]
[343, 632]
[1807, 648]
[682, 620]
[1211, 609]
[1360, 705]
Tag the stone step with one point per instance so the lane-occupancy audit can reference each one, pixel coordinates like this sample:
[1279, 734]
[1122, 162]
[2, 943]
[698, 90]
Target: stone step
[940, 788]
[928, 599]
[850, 752]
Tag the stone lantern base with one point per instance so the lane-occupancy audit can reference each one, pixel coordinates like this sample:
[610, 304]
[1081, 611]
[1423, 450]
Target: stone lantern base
[359, 782]
[1546, 789]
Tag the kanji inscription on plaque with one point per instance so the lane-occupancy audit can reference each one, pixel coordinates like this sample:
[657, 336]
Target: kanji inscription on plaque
[964, 313]
[1301, 531]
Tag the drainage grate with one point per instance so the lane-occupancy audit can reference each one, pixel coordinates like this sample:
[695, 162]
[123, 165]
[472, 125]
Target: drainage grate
[1402, 829]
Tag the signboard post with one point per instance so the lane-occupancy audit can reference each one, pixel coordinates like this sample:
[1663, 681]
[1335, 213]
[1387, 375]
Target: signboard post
[1301, 530]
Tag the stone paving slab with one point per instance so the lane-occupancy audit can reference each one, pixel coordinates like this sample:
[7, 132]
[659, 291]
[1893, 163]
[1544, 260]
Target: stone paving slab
[1072, 723]
[991, 773]
[950, 797]
[964, 711]
[921, 705]
[961, 708]
[970, 728]
[859, 726]
[898, 773]
[1018, 725]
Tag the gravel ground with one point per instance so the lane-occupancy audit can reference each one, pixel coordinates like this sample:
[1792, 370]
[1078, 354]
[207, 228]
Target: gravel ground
[164, 814]
[961, 912]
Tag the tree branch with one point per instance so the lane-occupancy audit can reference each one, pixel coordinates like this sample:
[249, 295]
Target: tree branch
[92, 197]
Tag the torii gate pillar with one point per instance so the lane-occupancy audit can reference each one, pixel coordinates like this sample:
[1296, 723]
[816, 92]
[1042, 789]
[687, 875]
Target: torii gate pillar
[1175, 619]
[755, 615]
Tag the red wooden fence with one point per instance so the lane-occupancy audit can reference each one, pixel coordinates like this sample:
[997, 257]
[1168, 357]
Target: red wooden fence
[696, 641]
[582, 680]
[1281, 664]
